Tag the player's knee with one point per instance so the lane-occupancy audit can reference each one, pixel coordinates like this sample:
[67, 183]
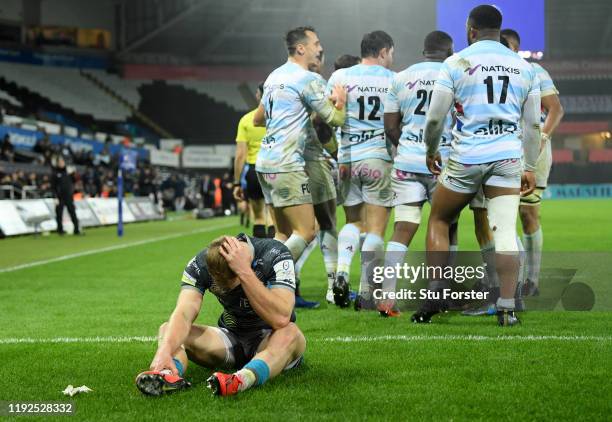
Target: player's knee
[502, 222]
[481, 227]
[408, 214]
[529, 216]
[290, 336]
[483, 234]
[324, 219]
[404, 227]
[308, 234]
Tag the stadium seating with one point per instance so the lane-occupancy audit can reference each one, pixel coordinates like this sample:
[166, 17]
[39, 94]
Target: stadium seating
[125, 88]
[563, 155]
[5, 96]
[67, 87]
[600, 156]
[187, 114]
[223, 92]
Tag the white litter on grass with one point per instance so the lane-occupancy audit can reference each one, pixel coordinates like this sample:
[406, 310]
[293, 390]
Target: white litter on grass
[71, 390]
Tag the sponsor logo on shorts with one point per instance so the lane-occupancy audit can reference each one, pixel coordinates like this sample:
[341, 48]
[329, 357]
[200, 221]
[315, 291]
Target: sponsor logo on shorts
[385, 194]
[402, 175]
[367, 173]
[364, 172]
[284, 192]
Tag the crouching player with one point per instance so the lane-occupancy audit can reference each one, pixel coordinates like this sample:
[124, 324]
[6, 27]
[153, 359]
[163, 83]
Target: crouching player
[254, 281]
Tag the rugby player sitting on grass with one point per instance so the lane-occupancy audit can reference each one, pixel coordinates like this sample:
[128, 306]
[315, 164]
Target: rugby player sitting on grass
[254, 281]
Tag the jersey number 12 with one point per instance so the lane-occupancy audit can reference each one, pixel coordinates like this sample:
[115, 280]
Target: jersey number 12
[373, 101]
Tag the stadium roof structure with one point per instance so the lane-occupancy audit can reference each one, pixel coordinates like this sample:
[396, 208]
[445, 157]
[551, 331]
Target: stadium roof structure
[232, 32]
[252, 32]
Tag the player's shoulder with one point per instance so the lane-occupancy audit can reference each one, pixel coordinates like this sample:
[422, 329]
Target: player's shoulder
[378, 70]
[270, 250]
[301, 78]
[421, 68]
[247, 118]
[456, 59]
[313, 76]
[539, 70]
[196, 271]
[338, 74]
[288, 71]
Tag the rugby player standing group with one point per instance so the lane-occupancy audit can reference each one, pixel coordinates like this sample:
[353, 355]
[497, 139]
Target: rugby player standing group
[469, 122]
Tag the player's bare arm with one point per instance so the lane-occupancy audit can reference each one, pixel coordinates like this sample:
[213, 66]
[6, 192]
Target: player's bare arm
[239, 160]
[441, 103]
[259, 119]
[531, 142]
[555, 111]
[274, 306]
[186, 311]
[393, 128]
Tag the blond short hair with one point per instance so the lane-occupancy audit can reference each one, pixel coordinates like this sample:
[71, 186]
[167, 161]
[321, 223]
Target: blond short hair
[217, 265]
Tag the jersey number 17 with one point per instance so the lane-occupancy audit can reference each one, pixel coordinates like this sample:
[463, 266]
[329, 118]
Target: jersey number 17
[504, 92]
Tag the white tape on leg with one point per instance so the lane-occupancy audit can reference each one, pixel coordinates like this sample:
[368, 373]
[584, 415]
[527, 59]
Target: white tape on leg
[408, 213]
[503, 211]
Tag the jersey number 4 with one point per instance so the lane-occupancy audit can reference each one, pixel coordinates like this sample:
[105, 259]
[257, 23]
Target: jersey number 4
[373, 101]
[504, 93]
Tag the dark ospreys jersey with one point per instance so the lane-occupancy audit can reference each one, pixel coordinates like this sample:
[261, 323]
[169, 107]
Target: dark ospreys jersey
[272, 264]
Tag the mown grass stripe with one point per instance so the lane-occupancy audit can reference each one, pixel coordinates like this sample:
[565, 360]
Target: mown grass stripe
[112, 248]
[347, 339]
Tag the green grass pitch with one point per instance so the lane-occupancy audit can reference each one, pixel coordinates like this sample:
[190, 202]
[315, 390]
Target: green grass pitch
[554, 366]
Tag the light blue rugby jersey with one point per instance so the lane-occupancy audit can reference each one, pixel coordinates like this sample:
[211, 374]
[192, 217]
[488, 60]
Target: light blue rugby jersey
[490, 84]
[410, 94]
[363, 132]
[547, 86]
[290, 94]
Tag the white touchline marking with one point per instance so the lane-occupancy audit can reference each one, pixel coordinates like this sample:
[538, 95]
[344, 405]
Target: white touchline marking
[111, 248]
[349, 339]
[465, 337]
[112, 339]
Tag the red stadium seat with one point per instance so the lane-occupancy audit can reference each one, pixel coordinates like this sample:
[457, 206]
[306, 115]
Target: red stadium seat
[563, 155]
[600, 156]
